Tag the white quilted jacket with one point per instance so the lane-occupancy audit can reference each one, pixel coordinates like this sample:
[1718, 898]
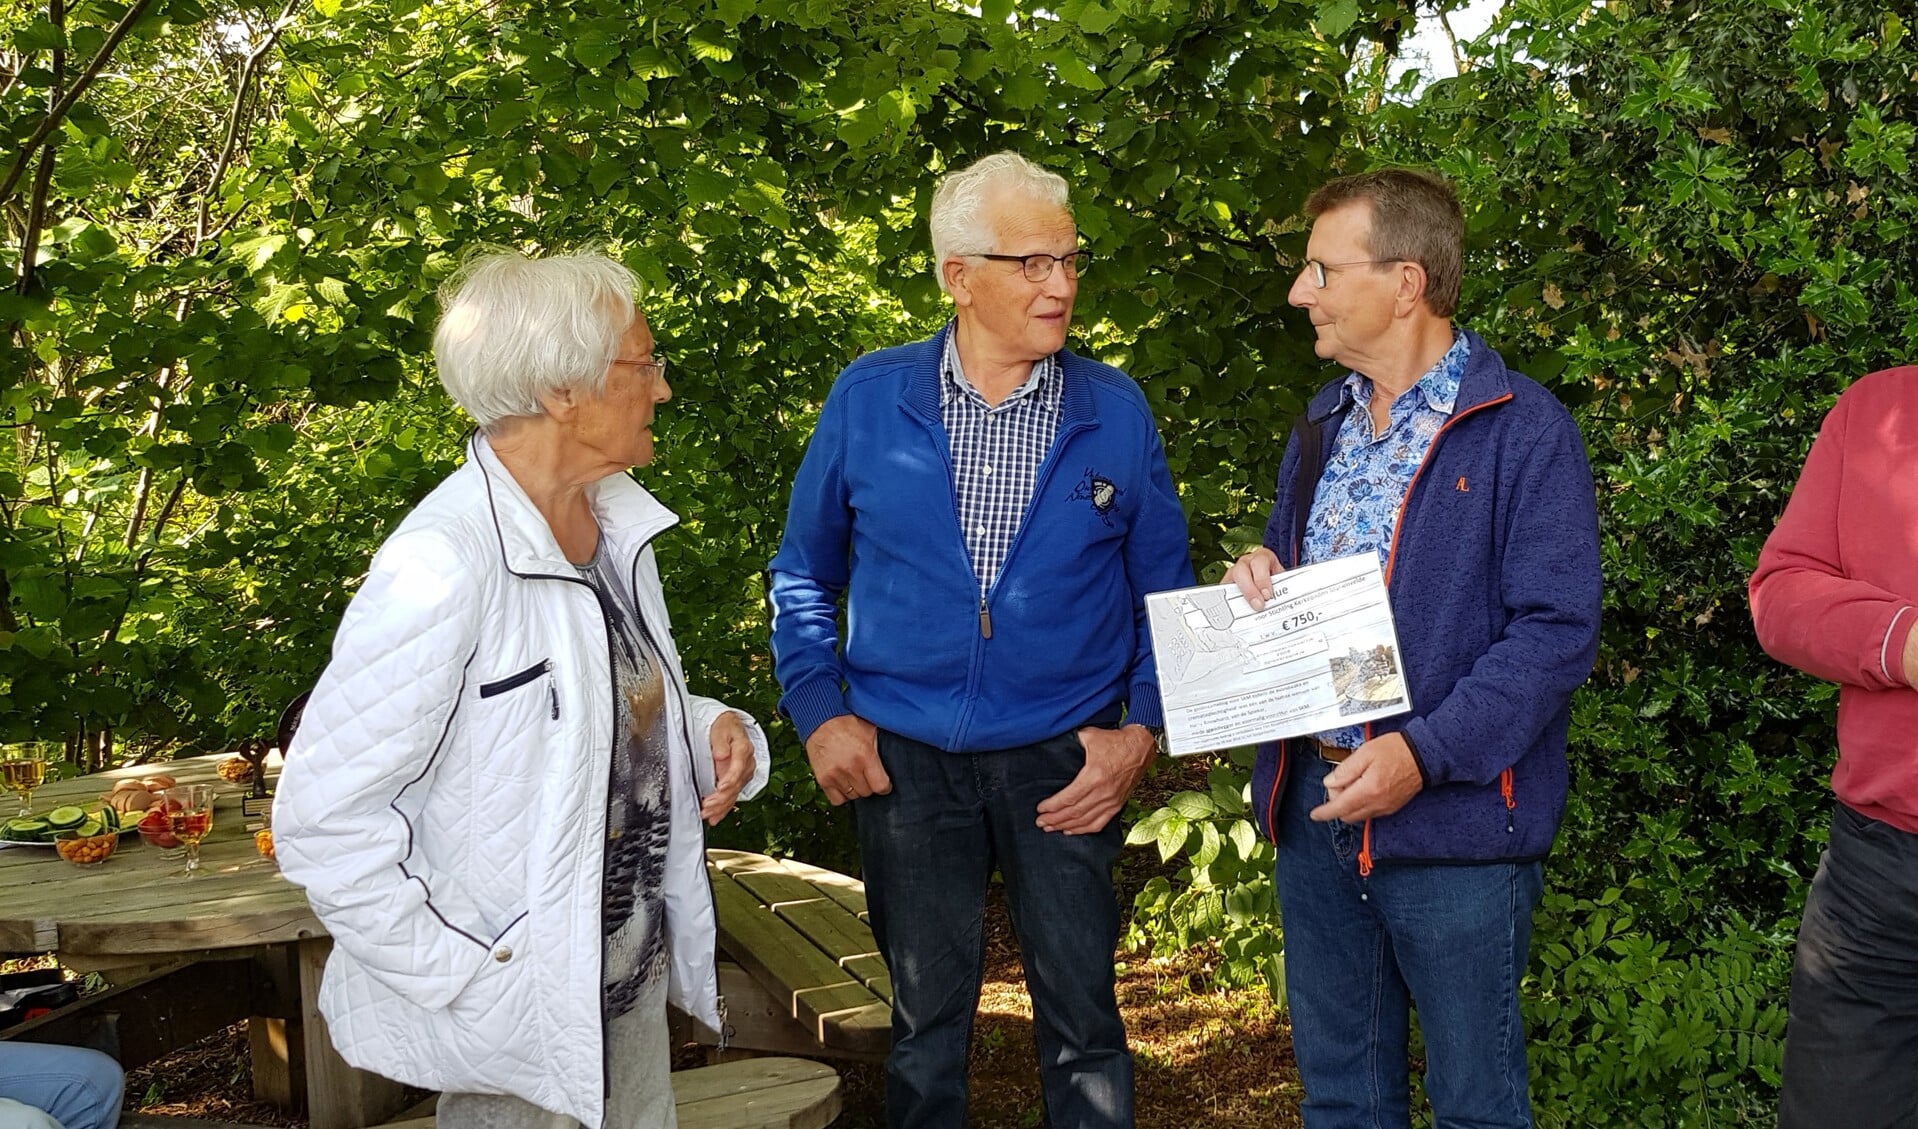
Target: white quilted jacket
[444, 802]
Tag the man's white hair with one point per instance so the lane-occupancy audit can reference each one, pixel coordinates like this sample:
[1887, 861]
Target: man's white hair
[514, 327]
[961, 219]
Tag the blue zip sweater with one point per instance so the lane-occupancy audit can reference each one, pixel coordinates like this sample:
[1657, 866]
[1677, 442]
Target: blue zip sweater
[1062, 638]
[1494, 582]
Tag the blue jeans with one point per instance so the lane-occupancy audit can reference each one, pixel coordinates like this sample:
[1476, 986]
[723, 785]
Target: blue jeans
[79, 1087]
[1360, 952]
[929, 847]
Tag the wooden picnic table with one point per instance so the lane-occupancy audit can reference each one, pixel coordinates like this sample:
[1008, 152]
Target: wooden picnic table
[191, 955]
[131, 904]
[799, 968]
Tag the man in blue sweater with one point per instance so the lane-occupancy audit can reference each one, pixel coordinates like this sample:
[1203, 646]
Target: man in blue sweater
[992, 509]
[1410, 849]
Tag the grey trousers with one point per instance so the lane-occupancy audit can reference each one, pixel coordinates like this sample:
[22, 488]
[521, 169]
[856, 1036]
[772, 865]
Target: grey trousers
[638, 1059]
[1851, 1043]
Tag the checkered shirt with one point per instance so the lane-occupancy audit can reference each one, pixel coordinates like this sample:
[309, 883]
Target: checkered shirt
[996, 453]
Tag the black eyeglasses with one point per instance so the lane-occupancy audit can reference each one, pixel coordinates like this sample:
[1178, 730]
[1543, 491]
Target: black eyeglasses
[1038, 267]
[1318, 269]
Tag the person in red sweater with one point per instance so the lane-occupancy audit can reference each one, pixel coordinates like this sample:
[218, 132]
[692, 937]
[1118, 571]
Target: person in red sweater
[1835, 594]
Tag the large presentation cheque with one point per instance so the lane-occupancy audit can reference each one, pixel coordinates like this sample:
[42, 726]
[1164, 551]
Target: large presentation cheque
[1323, 654]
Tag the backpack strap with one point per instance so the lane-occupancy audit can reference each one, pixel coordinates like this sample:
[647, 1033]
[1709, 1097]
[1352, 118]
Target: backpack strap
[1311, 467]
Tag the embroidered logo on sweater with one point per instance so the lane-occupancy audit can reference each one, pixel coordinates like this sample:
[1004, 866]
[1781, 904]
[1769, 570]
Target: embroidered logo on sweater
[1101, 491]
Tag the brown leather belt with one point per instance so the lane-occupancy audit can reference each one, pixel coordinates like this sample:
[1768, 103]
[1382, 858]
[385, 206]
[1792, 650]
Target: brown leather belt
[1333, 754]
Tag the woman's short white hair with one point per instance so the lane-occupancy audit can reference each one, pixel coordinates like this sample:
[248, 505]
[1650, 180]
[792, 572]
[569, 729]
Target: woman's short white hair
[961, 222]
[513, 327]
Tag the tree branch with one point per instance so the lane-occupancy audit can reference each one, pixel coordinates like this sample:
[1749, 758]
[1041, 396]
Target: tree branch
[43, 179]
[58, 113]
[1459, 62]
[235, 119]
[140, 564]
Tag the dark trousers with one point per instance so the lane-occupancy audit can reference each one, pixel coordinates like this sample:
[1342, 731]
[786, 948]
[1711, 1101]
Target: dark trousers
[929, 848]
[1851, 1044]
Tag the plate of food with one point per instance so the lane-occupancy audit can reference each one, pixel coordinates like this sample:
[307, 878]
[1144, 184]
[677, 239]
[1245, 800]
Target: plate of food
[67, 820]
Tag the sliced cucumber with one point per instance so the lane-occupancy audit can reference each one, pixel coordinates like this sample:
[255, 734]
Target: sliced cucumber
[23, 830]
[63, 818]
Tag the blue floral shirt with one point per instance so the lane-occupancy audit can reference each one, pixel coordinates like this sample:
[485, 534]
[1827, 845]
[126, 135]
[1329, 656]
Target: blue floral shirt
[1357, 504]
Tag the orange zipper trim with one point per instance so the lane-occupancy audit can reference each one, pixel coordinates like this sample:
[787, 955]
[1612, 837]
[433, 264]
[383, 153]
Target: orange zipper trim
[1365, 836]
[1391, 558]
[1272, 798]
[1392, 554]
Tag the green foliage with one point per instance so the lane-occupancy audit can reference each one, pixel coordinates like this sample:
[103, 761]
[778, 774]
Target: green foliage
[217, 390]
[1222, 894]
[1618, 1015]
[1692, 219]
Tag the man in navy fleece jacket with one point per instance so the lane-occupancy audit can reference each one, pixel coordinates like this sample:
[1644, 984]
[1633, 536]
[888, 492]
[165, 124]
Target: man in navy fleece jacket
[992, 509]
[1410, 849]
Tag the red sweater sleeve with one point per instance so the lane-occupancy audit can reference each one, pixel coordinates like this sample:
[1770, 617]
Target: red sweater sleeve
[1810, 612]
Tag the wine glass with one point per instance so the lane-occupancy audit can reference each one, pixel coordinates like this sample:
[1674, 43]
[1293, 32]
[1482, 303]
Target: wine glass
[23, 769]
[190, 812]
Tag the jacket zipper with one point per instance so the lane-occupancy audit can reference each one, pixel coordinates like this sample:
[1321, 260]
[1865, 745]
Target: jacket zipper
[1391, 558]
[692, 766]
[515, 681]
[612, 667]
[605, 1052]
[605, 1049]
[1365, 834]
[1039, 484]
[612, 671]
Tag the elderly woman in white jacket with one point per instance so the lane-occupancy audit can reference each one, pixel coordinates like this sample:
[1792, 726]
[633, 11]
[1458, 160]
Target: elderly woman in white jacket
[495, 797]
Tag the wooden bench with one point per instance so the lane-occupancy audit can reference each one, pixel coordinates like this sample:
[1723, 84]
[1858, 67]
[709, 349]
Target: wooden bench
[755, 1093]
[799, 968]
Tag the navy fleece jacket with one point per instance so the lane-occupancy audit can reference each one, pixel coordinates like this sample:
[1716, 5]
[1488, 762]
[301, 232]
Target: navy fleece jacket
[1494, 582]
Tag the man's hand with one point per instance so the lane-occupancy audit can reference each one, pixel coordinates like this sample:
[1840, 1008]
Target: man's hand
[1377, 779]
[1253, 574]
[1911, 658]
[1115, 760]
[732, 752]
[845, 760]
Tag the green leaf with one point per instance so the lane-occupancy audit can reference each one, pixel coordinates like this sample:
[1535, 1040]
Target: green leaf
[704, 186]
[709, 47]
[255, 253]
[1171, 838]
[596, 49]
[1074, 72]
[1023, 90]
[1096, 19]
[1336, 17]
[1245, 840]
